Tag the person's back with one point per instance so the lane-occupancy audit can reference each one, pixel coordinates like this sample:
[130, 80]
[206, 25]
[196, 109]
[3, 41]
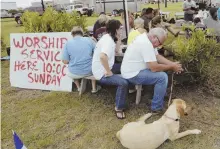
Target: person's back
[80, 51]
[132, 35]
[138, 29]
[133, 60]
[212, 22]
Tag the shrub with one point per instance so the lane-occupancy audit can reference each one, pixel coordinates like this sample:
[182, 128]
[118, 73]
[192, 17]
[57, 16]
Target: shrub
[52, 21]
[198, 57]
[95, 15]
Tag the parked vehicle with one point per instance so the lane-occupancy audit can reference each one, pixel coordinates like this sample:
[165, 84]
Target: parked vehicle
[5, 14]
[78, 8]
[116, 7]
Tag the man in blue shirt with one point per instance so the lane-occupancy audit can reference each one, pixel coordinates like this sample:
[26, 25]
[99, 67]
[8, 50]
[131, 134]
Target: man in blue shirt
[78, 53]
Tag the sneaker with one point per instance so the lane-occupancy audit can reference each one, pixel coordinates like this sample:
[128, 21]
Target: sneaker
[98, 88]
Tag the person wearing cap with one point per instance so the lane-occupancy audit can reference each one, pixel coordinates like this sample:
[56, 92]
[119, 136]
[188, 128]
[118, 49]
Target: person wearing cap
[77, 53]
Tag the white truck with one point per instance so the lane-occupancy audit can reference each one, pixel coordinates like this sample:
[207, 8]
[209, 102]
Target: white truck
[78, 8]
[109, 6]
[5, 14]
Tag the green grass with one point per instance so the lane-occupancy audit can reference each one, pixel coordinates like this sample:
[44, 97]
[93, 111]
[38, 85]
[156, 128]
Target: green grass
[9, 26]
[171, 7]
[60, 120]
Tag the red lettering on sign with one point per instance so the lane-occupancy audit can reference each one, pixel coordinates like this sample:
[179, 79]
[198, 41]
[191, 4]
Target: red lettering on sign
[19, 65]
[51, 43]
[48, 79]
[39, 55]
[32, 53]
[63, 41]
[29, 41]
[24, 53]
[18, 44]
[56, 55]
[63, 73]
[43, 38]
[30, 77]
[36, 42]
[35, 64]
[46, 54]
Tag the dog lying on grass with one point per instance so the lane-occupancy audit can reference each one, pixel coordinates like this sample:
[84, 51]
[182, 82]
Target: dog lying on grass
[138, 135]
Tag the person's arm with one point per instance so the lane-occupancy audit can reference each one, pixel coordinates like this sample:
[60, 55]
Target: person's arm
[118, 46]
[104, 62]
[155, 67]
[163, 60]
[106, 53]
[65, 56]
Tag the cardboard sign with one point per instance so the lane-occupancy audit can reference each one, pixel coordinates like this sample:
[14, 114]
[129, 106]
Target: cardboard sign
[35, 61]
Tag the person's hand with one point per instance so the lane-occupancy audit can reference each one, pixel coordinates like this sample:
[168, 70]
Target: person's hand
[108, 74]
[177, 67]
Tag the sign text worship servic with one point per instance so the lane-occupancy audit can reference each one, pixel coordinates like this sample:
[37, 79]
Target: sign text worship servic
[35, 61]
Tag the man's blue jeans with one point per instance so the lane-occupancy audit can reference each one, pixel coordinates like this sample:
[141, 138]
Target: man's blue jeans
[121, 83]
[159, 79]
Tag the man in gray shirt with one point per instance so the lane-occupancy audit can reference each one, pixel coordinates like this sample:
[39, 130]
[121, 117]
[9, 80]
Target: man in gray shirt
[188, 6]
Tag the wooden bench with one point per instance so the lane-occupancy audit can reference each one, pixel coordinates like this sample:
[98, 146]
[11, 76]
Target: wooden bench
[84, 83]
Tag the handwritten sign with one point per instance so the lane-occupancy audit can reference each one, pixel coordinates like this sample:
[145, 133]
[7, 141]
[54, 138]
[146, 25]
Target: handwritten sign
[35, 61]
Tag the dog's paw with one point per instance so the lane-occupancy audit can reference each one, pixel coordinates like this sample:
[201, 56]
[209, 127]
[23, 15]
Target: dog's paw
[196, 131]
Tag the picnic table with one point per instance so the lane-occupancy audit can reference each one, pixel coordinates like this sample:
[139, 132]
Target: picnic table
[179, 14]
[165, 14]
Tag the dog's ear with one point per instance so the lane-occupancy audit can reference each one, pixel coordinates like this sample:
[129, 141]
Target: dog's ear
[180, 109]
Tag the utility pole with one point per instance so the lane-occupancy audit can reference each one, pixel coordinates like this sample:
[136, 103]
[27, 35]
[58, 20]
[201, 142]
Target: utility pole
[165, 3]
[42, 3]
[158, 3]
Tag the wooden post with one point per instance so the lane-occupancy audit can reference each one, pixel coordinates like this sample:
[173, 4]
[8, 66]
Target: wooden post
[104, 5]
[158, 2]
[42, 3]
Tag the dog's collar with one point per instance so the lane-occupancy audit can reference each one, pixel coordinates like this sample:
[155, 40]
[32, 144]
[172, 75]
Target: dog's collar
[171, 118]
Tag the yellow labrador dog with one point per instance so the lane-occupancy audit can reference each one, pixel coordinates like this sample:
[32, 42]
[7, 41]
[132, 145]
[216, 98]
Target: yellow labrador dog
[138, 135]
